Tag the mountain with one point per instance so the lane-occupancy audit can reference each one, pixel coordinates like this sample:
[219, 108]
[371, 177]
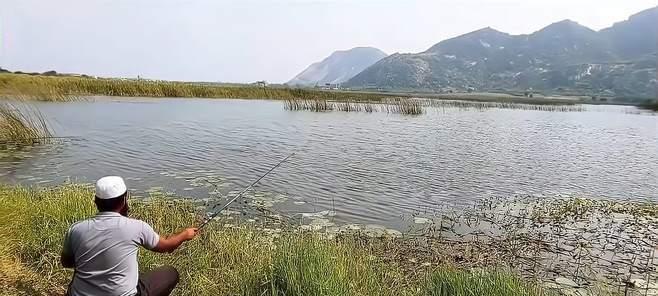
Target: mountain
[635, 36]
[564, 57]
[339, 67]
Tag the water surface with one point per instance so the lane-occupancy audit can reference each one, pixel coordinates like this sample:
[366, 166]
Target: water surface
[370, 168]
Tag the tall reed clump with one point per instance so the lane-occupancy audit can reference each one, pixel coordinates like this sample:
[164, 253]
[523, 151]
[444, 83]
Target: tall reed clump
[315, 105]
[399, 106]
[348, 106]
[222, 261]
[405, 106]
[22, 126]
[481, 106]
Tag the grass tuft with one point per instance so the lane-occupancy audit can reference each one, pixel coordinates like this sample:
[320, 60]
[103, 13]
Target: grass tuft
[451, 282]
[306, 265]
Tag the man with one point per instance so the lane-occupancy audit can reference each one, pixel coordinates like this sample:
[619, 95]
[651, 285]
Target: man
[103, 249]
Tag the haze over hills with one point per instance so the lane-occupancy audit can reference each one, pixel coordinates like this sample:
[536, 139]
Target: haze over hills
[564, 57]
[339, 67]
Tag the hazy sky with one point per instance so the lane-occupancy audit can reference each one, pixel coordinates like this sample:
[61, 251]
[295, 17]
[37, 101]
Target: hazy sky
[249, 40]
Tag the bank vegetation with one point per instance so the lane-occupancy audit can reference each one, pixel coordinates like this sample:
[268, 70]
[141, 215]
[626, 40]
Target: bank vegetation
[246, 260]
[66, 88]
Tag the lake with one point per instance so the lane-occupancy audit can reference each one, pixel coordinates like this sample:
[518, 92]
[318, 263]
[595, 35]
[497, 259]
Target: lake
[369, 168]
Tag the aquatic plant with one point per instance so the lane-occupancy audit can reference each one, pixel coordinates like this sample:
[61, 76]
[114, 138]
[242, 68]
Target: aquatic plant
[348, 106]
[483, 105]
[63, 88]
[246, 260]
[316, 105]
[576, 242]
[399, 106]
[66, 88]
[21, 126]
[405, 106]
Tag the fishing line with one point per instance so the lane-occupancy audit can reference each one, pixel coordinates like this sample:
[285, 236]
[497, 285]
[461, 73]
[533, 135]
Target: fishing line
[211, 217]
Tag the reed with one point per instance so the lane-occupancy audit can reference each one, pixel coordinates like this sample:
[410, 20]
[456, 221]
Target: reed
[405, 106]
[368, 107]
[315, 105]
[59, 88]
[21, 126]
[399, 106]
[348, 106]
[245, 260]
[482, 106]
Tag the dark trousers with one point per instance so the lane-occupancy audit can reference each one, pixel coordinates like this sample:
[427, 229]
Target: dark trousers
[157, 282]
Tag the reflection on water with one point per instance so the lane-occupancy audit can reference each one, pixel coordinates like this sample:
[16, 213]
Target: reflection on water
[370, 168]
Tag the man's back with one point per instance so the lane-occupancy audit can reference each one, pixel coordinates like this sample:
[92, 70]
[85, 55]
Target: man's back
[105, 250]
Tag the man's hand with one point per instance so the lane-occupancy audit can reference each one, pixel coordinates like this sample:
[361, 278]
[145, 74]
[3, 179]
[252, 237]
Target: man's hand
[171, 243]
[190, 233]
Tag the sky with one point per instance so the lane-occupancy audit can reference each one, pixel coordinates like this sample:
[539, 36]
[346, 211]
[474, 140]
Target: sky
[250, 40]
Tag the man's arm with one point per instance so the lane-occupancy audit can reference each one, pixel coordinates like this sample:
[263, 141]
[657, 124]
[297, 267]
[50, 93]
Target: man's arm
[67, 259]
[171, 243]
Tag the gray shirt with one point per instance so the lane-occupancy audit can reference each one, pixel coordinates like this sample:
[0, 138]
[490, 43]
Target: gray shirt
[104, 249]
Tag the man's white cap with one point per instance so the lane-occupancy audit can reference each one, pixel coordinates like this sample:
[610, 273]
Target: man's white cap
[110, 187]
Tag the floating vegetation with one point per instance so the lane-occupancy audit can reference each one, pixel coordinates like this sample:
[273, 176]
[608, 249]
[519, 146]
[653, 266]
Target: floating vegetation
[571, 243]
[22, 126]
[421, 220]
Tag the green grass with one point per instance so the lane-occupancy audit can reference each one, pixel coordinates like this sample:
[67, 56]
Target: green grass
[309, 266]
[451, 282]
[21, 127]
[222, 261]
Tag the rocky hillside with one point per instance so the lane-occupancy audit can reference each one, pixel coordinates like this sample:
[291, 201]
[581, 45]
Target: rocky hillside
[339, 67]
[564, 57]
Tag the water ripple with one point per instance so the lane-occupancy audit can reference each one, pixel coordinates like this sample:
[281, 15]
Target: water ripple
[369, 168]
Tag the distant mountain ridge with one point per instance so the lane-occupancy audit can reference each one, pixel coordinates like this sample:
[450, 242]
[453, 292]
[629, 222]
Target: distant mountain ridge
[619, 61]
[339, 67]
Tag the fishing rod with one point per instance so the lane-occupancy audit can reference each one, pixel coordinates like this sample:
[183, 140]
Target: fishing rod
[243, 191]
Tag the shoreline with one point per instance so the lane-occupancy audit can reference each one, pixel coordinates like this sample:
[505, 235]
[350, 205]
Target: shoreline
[66, 88]
[247, 260]
[448, 250]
